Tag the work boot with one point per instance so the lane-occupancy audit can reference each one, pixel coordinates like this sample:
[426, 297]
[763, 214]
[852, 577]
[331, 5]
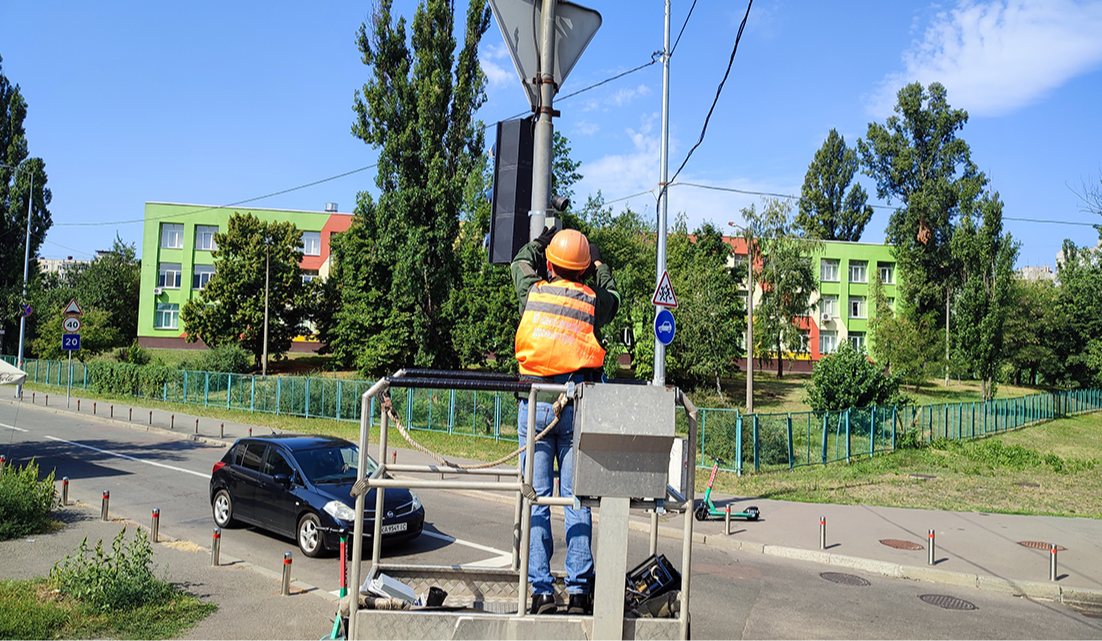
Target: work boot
[544, 604]
[580, 604]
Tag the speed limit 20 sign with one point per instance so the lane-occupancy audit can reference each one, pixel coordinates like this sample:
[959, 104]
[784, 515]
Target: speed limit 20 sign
[71, 324]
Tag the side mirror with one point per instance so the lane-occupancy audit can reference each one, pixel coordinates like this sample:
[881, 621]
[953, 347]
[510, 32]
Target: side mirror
[283, 479]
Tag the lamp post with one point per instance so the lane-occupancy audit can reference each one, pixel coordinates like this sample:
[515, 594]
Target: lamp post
[26, 270]
[749, 317]
[267, 255]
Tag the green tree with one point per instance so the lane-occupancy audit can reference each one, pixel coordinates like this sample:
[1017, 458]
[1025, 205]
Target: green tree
[987, 254]
[909, 348]
[112, 282]
[230, 309]
[786, 278]
[564, 169]
[98, 334]
[916, 158]
[15, 198]
[1077, 315]
[847, 378]
[827, 210]
[1029, 330]
[398, 266]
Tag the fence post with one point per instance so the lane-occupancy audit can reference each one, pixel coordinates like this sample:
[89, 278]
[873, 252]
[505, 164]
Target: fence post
[738, 445]
[826, 427]
[164, 392]
[789, 422]
[451, 412]
[307, 393]
[279, 389]
[85, 386]
[185, 386]
[872, 431]
[757, 444]
[229, 389]
[252, 394]
[895, 410]
[847, 435]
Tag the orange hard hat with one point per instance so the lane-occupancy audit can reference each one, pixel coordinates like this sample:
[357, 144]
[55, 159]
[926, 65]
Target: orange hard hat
[569, 249]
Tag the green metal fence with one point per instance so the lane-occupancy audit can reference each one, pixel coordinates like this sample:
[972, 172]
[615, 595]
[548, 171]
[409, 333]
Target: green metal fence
[744, 441]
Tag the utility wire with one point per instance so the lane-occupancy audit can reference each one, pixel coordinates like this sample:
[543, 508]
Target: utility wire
[683, 25]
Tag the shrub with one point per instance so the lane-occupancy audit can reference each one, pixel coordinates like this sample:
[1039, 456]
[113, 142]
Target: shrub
[26, 502]
[231, 359]
[847, 378]
[128, 379]
[135, 354]
[120, 580]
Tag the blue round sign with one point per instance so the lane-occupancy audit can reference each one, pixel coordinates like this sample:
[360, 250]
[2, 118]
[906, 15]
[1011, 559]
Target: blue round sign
[664, 327]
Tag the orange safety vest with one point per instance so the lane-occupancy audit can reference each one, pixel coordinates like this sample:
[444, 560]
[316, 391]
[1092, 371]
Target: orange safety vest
[555, 335]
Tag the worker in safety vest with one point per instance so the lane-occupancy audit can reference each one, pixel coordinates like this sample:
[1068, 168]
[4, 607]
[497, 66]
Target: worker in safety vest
[558, 341]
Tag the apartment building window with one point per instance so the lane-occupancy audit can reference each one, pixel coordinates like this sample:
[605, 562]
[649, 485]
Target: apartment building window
[168, 275]
[858, 271]
[828, 306]
[857, 340]
[311, 243]
[857, 307]
[827, 342]
[805, 342]
[891, 304]
[204, 237]
[309, 275]
[167, 316]
[202, 276]
[828, 270]
[172, 236]
[887, 273]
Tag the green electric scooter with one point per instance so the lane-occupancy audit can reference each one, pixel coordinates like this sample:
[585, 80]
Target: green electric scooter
[707, 508]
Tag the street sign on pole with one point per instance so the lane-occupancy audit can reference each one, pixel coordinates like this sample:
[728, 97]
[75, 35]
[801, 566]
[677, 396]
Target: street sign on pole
[70, 341]
[664, 327]
[73, 308]
[519, 22]
[71, 324]
[27, 310]
[663, 294]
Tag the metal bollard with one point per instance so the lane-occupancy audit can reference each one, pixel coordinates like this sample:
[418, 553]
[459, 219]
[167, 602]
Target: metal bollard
[222, 431]
[32, 398]
[727, 522]
[156, 528]
[47, 400]
[3, 459]
[215, 545]
[394, 457]
[196, 426]
[112, 411]
[822, 532]
[930, 560]
[78, 404]
[1052, 563]
[131, 416]
[286, 574]
[172, 422]
[150, 417]
[250, 431]
[64, 490]
[104, 506]
[93, 409]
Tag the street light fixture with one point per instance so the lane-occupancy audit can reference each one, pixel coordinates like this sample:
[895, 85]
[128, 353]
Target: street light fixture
[749, 317]
[26, 270]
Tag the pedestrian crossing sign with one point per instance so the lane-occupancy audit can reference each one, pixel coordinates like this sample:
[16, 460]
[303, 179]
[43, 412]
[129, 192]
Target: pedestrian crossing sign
[663, 294]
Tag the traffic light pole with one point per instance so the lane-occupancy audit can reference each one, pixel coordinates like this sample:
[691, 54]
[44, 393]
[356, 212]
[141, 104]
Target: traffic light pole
[545, 130]
[659, 348]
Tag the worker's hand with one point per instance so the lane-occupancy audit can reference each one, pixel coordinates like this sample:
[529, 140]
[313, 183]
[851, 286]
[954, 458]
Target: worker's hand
[544, 239]
[594, 253]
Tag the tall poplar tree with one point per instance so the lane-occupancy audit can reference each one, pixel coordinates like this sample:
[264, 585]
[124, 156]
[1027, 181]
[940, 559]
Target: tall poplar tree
[827, 210]
[397, 265]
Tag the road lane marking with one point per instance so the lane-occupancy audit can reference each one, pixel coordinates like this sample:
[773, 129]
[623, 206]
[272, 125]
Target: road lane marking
[503, 561]
[131, 458]
[12, 427]
[452, 539]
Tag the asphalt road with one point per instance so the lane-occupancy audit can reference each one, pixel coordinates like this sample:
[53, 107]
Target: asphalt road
[734, 594]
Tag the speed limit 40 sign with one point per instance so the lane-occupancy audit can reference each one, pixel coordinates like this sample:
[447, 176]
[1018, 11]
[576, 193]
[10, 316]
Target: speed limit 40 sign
[71, 324]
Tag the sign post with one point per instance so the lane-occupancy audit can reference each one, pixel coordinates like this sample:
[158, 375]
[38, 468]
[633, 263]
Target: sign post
[70, 340]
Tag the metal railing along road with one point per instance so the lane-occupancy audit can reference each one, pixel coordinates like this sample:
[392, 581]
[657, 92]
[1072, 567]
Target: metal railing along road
[748, 441]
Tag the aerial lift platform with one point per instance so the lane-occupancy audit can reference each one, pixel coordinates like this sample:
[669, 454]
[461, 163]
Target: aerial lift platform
[623, 437]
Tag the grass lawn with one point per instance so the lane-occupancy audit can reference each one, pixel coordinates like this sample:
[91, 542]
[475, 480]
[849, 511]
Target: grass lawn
[30, 610]
[1049, 469]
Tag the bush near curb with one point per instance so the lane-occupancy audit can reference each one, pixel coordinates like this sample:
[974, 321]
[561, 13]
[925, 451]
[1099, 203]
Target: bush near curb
[26, 502]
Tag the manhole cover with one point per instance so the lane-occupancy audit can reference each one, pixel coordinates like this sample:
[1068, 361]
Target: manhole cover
[947, 602]
[844, 579]
[901, 545]
[1041, 545]
[924, 477]
[1028, 484]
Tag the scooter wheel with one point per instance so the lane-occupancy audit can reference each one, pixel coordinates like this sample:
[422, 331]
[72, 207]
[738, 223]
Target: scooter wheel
[752, 513]
[701, 513]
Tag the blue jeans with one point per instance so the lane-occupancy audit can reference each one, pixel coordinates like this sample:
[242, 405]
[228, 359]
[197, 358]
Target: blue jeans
[557, 445]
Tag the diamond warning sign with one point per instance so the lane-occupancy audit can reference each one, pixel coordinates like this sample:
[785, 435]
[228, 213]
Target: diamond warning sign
[663, 294]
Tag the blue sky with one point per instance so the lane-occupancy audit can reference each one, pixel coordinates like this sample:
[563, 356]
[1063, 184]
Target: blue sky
[216, 103]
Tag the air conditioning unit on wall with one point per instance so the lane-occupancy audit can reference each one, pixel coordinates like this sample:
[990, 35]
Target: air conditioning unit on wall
[157, 291]
[826, 317]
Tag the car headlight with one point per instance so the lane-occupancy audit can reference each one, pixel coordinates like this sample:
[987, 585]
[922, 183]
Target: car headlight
[416, 501]
[339, 510]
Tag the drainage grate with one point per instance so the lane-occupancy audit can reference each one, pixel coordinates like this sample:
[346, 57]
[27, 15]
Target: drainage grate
[947, 602]
[1041, 545]
[924, 477]
[1027, 484]
[844, 579]
[902, 545]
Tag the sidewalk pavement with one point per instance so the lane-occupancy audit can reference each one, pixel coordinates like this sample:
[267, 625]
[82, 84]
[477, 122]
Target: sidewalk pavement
[974, 549]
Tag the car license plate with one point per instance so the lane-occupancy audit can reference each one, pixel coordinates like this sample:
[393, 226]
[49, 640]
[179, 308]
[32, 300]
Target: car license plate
[394, 527]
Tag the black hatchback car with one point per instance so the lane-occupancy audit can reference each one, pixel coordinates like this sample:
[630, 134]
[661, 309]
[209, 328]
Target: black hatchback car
[299, 486]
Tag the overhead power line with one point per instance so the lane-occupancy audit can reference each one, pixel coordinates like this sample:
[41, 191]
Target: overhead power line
[683, 25]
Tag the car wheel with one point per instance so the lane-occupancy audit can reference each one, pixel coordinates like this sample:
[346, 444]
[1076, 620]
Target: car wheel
[310, 539]
[222, 505]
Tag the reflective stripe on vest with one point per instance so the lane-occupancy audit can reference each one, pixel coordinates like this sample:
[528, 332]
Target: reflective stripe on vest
[556, 332]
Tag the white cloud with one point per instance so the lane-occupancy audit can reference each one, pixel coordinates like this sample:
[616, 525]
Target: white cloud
[495, 52]
[995, 57]
[586, 128]
[619, 98]
[496, 74]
